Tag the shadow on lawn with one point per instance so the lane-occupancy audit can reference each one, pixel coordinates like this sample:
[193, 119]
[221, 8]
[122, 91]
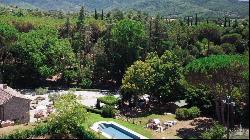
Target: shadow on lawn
[201, 125]
[147, 110]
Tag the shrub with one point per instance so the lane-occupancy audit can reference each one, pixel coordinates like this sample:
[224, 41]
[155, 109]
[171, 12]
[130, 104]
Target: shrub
[69, 113]
[54, 97]
[231, 38]
[228, 48]
[41, 129]
[216, 132]
[217, 50]
[41, 91]
[194, 112]
[109, 100]
[184, 113]
[85, 83]
[108, 111]
[89, 109]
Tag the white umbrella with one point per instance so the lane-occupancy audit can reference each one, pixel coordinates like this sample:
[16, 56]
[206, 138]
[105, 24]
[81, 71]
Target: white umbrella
[156, 121]
[41, 107]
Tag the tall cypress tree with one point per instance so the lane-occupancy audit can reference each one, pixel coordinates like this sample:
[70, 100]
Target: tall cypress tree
[225, 21]
[236, 24]
[188, 20]
[196, 19]
[67, 27]
[191, 21]
[81, 17]
[102, 15]
[229, 22]
[157, 34]
[96, 16]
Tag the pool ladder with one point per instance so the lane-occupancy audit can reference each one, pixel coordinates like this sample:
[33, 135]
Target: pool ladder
[101, 126]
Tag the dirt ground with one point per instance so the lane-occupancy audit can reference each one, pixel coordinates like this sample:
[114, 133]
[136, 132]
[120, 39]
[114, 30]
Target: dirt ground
[182, 129]
[171, 133]
[12, 129]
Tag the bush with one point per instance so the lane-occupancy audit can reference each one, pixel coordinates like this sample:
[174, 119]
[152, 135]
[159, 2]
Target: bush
[109, 100]
[41, 129]
[54, 97]
[108, 111]
[228, 48]
[216, 132]
[231, 38]
[217, 50]
[184, 113]
[201, 97]
[89, 109]
[194, 112]
[41, 91]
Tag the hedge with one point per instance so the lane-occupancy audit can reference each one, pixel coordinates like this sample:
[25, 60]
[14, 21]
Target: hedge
[89, 109]
[184, 113]
[108, 111]
[109, 100]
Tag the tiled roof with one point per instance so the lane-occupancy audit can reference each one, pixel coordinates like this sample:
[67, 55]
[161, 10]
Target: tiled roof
[8, 93]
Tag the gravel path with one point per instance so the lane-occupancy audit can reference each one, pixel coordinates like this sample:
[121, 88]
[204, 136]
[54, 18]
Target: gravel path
[87, 98]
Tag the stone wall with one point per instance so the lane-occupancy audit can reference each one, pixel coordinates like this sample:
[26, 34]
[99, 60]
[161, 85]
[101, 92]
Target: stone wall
[17, 109]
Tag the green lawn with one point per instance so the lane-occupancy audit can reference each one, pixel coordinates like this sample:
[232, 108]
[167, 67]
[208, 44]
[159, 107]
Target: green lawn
[92, 118]
[137, 127]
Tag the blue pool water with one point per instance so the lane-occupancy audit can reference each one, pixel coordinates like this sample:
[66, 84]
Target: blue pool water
[117, 132]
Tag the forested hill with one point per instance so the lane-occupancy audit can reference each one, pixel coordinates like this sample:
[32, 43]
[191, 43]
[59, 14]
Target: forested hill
[163, 7]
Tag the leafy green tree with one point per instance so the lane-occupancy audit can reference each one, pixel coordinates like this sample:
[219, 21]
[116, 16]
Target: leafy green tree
[44, 52]
[220, 74]
[117, 14]
[168, 78]
[8, 36]
[210, 31]
[201, 97]
[160, 77]
[231, 38]
[137, 80]
[69, 115]
[66, 31]
[128, 37]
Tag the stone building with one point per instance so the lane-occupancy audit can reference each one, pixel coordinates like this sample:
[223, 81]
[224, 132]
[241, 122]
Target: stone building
[13, 105]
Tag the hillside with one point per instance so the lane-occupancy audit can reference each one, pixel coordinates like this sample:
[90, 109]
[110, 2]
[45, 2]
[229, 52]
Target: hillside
[163, 7]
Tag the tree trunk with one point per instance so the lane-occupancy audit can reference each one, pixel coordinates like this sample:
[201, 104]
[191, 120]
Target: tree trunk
[222, 113]
[217, 108]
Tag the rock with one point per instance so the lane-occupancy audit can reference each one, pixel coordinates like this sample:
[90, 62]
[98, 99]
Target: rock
[40, 98]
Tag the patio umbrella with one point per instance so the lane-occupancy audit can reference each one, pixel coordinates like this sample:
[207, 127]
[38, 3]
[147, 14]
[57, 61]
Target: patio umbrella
[41, 107]
[156, 121]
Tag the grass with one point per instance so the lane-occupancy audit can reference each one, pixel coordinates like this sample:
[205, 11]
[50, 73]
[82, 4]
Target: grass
[137, 127]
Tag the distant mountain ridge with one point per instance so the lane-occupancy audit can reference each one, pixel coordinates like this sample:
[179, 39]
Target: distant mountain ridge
[163, 7]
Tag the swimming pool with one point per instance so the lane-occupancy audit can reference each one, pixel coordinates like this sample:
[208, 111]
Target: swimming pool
[113, 130]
